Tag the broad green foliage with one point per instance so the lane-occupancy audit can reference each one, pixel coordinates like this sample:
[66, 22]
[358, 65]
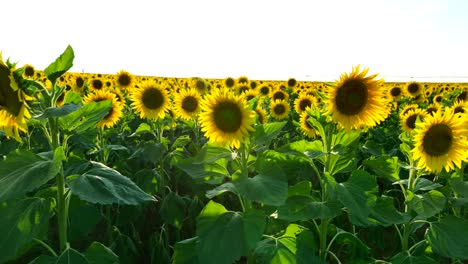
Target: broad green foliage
[296, 190]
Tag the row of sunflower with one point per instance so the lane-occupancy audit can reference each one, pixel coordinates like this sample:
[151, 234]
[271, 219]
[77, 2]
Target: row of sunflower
[231, 170]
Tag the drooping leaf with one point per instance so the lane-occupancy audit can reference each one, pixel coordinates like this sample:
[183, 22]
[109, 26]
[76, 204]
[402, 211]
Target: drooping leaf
[60, 111]
[427, 204]
[224, 236]
[104, 185]
[21, 222]
[23, 171]
[265, 133]
[85, 117]
[270, 186]
[71, 256]
[449, 237]
[305, 208]
[406, 258]
[358, 195]
[97, 253]
[172, 210]
[384, 166]
[61, 65]
[385, 213]
[185, 252]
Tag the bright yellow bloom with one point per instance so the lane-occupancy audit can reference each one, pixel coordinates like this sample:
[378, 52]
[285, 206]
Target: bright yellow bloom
[115, 113]
[357, 101]
[187, 103]
[150, 100]
[225, 118]
[440, 142]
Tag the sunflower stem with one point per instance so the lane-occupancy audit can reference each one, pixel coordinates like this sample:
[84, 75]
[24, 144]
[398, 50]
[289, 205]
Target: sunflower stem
[407, 226]
[62, 201]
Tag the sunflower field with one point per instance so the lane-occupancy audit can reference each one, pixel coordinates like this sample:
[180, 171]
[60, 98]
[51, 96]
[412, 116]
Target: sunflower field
[118, 168]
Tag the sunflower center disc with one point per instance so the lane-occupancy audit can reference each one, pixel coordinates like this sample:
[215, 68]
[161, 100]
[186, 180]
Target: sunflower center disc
[97, 84]
[9, 99]
[351, 98]
[278, 96]
[264, 90]
[438, 140]
[395, 92]
[29, 71]
[413, 88]
[303, 104]
[279, 109]
[152, 98]
[190, 104]
[124, 80]
[227, 117]
[411, 121]
[79, 82]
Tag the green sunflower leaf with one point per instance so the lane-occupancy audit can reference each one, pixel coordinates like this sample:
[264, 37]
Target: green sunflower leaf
[103, 185]
[71, 256]
[85, 117]
[61, 65]
[358, 195]
[265, 133]
[224, 236]
[23, 171]
[304, 208]
[97, 253]
[449, 237]
[21, 222]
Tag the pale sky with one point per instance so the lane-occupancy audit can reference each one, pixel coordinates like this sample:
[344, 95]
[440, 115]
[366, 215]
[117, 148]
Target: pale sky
[261, 39]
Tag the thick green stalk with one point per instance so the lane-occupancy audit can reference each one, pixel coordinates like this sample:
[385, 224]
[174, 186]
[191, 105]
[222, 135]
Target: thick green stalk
[407, 226]
[62, 201]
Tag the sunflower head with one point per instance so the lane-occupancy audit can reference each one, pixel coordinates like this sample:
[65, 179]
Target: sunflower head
[414, 88]
[306, 128]
[124, 80]
[96, 83]
[278, 94]
[438, 99]
[150, 100]
[199, 84]
[395, 93]
[229, 82]
[357, 100]
[408, 121]
[303, 102]
[291, 83]
[77, 82]
[225, 119]
[262, 116]
[14, 111]
[432, 109]
[280, 109]
[264, 89]
[28, 71]
[187, 103]
[114, 114]
[243, 80]
[440, 142]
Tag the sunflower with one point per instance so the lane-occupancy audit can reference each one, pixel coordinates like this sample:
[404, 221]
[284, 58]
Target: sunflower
[28, 71]
[279, 95]
[262, 116]
[279, 109]
[264, 89]
[438, 99]
[200, 84]
[253, 84]
[303, 102]
[124, 80]
[229, 82]
[243, 80]
[96, 83]
[306, 128]
[395, 93]
[414, 88]
[225, 118]
[77, 82]
[407, 108]
[150, 100]
[459, 108]
[114, 114]
[408, 121]
[14, 111]
[440, 142]
[291, 83]
[463, 95]
[357, 100]
[431, 109]
[187, 103]
[249, 95]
